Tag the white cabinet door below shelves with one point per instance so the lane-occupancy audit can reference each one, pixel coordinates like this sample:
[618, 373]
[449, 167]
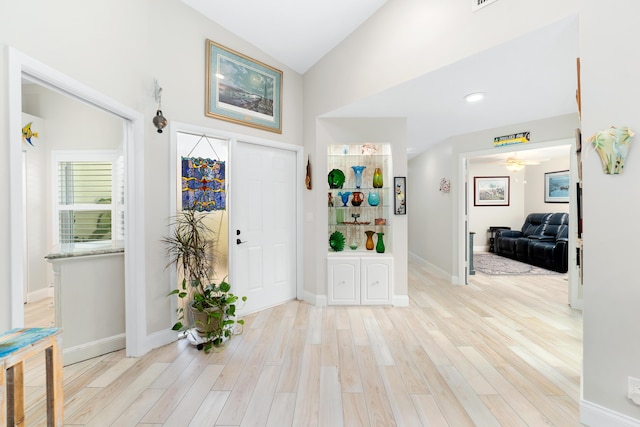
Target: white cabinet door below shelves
[344, 281]
[376, 281]
[356, 281]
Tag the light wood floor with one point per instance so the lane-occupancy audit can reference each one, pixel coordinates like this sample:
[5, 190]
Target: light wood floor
[503, 351]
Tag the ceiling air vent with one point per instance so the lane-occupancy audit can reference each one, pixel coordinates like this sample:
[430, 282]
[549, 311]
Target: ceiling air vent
[479, 4]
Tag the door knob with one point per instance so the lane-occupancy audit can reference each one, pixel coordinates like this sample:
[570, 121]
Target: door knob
[239, 242]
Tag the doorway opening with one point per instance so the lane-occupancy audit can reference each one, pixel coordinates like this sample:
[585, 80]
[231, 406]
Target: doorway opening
[24, 68]
[243, 279]
[527, 190]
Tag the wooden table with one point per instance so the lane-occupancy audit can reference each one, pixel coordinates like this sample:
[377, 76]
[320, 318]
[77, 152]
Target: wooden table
[16, 346]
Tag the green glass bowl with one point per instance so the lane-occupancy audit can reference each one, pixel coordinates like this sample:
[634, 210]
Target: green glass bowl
[336, 241]
[336, 178]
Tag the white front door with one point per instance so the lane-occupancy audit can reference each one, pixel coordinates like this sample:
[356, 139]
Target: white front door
[264, 195]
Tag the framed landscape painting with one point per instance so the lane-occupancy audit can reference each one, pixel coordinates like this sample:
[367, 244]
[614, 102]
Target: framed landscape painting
[242, 90]
[491, 191]
[556, 187]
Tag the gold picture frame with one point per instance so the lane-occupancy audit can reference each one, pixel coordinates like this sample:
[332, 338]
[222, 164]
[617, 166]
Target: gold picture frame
[242, 90]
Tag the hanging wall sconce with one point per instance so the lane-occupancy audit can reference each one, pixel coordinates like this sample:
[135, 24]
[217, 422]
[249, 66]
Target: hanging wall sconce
[159, 121]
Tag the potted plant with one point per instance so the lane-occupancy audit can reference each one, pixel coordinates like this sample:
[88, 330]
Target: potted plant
[212, 305]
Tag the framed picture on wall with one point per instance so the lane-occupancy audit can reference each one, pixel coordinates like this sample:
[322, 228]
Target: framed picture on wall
[400, 199]
[556, 187]
[242, 90]
[491, 191]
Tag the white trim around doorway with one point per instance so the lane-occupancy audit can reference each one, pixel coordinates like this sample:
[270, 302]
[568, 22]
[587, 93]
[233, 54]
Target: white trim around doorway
[232, 138]
[22, 67]
[574, 295]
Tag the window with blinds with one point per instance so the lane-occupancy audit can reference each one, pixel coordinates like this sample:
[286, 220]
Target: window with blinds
[89, 197]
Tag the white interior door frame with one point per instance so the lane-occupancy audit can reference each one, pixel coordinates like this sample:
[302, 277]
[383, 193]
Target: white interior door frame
[22, 66]
[574, 281]
[233, 139]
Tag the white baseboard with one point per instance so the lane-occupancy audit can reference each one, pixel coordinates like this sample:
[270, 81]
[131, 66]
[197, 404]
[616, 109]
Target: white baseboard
[593, 415]
[401, 300]
[40, 294]
[322, 300]
[417, 259]
[317, 300]
[92, 349]
[433, 269]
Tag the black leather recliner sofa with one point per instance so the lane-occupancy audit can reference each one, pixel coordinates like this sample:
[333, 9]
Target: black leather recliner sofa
[543, 241]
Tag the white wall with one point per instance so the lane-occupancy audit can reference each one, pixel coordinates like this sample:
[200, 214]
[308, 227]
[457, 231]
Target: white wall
[37, 206]
[118, 49]
[534, 202]
[428, 205]
[611, 205]
[483, 217]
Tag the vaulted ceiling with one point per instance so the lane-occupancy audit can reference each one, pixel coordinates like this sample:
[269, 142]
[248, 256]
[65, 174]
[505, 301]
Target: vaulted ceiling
[529, 78]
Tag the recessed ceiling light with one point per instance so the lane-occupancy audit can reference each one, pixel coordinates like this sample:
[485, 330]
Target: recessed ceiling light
[474, 97]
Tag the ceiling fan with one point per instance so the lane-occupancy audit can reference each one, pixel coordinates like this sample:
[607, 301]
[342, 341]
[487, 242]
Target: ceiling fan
[514, 164]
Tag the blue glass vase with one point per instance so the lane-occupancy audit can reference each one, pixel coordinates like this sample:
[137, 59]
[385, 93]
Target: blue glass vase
[357, 170]
[345, 197]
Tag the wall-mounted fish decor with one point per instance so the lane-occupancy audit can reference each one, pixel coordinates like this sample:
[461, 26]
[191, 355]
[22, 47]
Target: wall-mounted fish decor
[612, 145]
[27, 133]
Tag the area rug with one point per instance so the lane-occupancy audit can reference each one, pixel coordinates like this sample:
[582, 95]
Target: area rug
[497, 265]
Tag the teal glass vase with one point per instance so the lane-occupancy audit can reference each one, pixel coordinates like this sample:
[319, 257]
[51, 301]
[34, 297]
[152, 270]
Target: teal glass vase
[380, 244]
[374, 198]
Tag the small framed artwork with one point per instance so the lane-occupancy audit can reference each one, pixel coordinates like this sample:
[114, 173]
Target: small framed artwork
[491, 191]
[556, 187]
[242, 90]
[400, 199]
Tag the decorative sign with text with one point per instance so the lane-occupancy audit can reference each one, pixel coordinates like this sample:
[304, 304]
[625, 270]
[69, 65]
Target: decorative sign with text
[479, 4]
[516, 138]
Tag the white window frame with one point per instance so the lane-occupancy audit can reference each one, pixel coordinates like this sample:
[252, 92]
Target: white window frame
[117, 186]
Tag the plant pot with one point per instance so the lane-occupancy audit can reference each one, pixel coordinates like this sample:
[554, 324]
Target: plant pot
[205, 324]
